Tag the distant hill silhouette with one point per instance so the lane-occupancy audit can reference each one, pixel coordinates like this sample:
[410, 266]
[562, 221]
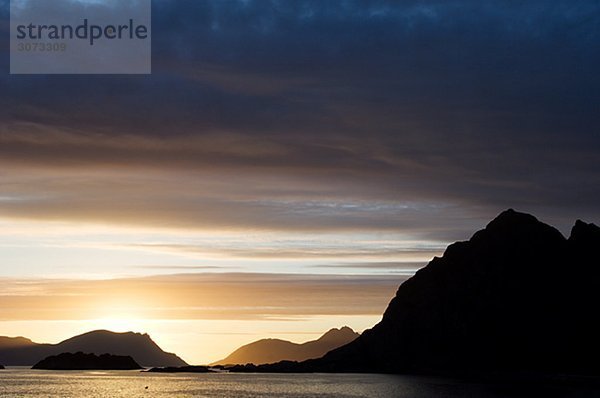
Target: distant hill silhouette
[516, 297]
[81, 361]
[14, 342]
[23, 352]
[274, 350]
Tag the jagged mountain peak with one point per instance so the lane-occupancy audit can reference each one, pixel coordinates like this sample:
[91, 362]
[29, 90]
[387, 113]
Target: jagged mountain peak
[511, 224]
[584, 231]
[336, 333]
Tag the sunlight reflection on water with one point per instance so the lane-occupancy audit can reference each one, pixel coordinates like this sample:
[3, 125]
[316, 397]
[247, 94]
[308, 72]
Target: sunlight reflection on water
[134, 384]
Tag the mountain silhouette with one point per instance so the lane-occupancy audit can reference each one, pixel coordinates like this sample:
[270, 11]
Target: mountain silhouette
[23, 352]
[517, 297]
[15, 342]
[274, 350]
[81, 361]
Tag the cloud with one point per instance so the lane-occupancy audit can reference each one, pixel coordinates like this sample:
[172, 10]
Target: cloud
[289, 249]
[404, 267]
[176, 268]
[422, 117]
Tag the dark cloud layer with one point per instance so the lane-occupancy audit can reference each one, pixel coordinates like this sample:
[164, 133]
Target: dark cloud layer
[474, 106]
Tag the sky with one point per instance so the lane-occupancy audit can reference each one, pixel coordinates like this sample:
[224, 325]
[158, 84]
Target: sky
[287, 164]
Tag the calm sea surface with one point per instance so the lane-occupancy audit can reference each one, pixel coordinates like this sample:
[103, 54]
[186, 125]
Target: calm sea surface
[28, 383]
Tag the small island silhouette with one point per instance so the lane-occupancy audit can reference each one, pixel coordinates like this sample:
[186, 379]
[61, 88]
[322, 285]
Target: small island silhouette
[181, 369]
[81, 361]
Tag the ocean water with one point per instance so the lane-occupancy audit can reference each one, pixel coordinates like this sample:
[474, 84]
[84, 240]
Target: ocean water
[132, 384]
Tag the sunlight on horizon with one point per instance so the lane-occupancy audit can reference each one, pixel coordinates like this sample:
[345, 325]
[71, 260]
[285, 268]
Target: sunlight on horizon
[65, 278]
[195, 341]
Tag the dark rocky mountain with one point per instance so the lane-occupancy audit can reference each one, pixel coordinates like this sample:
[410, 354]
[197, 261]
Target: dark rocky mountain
[1, 367]
[275, 350]
[81, 361]
[23, 352]
[517, 297]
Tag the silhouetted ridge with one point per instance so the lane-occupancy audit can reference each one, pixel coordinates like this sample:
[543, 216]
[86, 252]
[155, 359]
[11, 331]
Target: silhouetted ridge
[516, 297]
[274, 350]
[584, 233]
[343, 333]
[14, 342]
[23, 352]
